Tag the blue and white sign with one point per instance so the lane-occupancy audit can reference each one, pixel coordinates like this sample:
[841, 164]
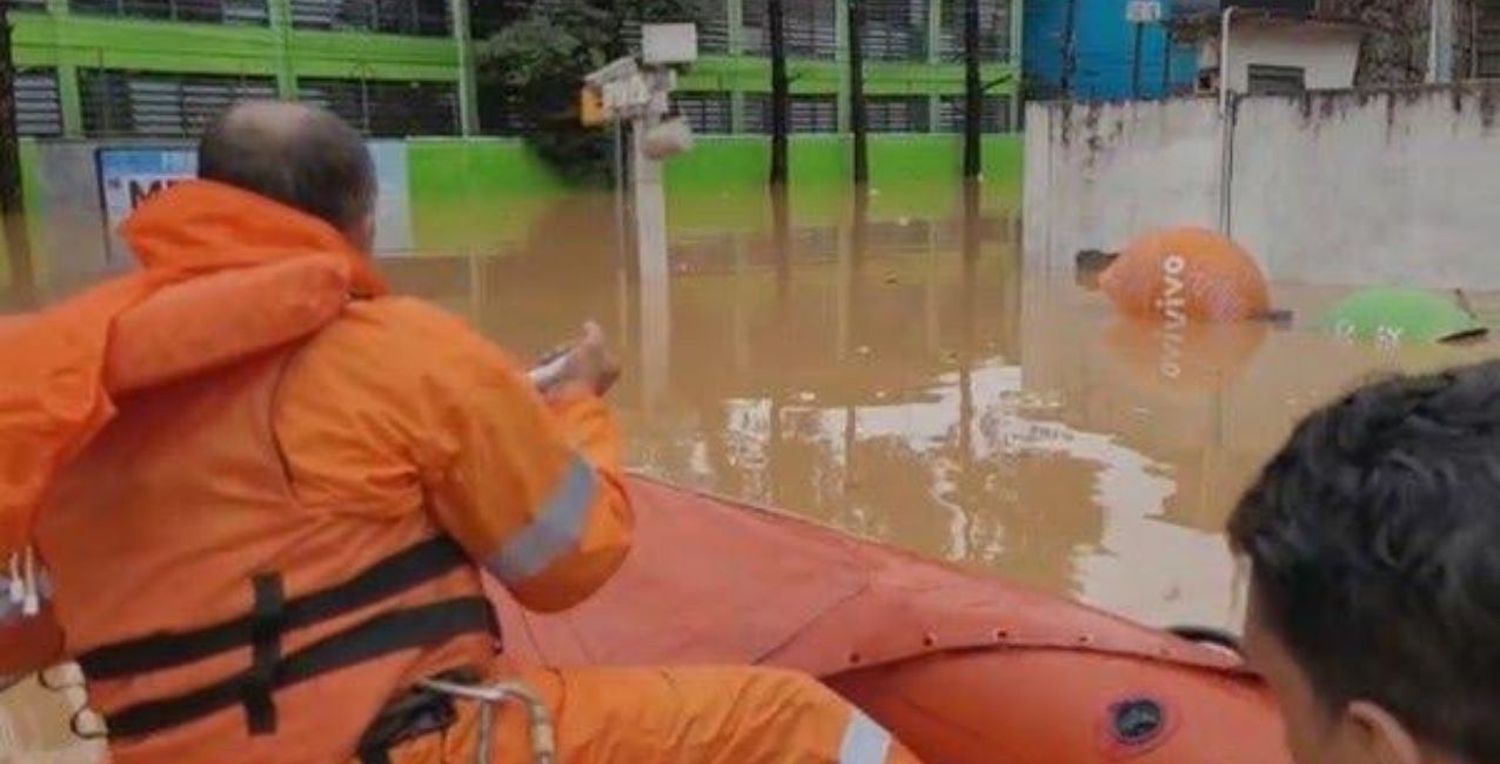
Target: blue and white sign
[128, 177]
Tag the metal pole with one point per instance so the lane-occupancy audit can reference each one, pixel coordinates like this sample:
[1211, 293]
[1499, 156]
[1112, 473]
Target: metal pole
[655, 283]
[1440, 45]
[468, 114]
[1473, 39]
[12, 208]
[1434, 35]
[651, 247]
[1226, 129]
[858, 114]
[622, 230]
[1226, 25]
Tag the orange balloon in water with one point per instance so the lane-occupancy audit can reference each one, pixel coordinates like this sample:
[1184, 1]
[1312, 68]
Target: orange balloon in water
[1183, 275]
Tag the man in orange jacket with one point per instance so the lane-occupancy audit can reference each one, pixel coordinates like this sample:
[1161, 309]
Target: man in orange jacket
[269, 559]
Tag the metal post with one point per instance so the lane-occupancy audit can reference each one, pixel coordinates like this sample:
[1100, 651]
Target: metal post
[71, 100]
[734, 16]
[935, 30]
[1226, 128]
[650, 207]
[468, 115]
[280, 18]
[12, 208]
[1226, 25]
[934, 57]
[1473, 31]
[841, 12]
[622, 228]
[1441, 42]
[651, 248]
[858, 113]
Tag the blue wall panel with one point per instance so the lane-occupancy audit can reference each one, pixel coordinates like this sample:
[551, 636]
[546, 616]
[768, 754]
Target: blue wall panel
[1104, 46]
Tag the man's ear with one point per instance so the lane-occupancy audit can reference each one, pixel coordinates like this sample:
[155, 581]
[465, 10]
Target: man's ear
[1381, 737]
[367, 233]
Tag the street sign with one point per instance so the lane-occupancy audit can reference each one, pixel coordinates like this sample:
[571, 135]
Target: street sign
[666, 44]
[1143, 12]
[622, 89]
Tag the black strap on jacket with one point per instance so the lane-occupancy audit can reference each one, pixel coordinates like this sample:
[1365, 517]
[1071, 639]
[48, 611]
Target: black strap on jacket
[395, 574]
[271, 616]
[381, 635]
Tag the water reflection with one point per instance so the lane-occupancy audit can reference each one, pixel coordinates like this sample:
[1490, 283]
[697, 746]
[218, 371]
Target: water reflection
[898, 377]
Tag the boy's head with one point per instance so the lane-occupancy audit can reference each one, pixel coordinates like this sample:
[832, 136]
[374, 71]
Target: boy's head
[1374, 541]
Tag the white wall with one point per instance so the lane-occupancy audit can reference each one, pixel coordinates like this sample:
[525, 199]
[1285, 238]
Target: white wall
[1328, 54]
[1333, 188]
[1098, 173]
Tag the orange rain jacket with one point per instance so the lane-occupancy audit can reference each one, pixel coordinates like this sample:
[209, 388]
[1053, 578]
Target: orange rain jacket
[392, 426]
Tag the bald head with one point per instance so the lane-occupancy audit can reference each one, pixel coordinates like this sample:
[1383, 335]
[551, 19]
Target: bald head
[299, 155]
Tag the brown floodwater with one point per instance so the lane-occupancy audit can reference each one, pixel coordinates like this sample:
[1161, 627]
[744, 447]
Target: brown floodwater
[903, 378]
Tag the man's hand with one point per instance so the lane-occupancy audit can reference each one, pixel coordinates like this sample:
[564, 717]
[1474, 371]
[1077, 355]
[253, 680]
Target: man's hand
[587, 362]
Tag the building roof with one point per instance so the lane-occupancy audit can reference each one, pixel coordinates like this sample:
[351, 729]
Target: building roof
[1200, 19]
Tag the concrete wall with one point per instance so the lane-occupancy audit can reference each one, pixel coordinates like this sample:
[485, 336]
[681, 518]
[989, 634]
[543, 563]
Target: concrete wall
[1336, 188]
[1328, 54]
[1097, 174]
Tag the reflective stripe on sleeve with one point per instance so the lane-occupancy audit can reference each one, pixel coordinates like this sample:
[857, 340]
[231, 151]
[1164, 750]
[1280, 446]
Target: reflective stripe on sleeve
[556, 529]
[865, 742]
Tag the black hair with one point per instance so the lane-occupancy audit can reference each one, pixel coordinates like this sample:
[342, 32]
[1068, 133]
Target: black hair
[302, 156]
[1374, 541]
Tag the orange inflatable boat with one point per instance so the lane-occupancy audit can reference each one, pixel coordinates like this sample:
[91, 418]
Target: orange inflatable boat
[964, 669]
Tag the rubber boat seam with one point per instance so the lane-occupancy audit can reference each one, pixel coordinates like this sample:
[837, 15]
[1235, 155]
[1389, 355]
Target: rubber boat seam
[863, 587]
[1181, 657]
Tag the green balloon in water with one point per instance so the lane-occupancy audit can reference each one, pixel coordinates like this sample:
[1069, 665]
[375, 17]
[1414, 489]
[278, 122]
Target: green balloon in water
[1398, 315]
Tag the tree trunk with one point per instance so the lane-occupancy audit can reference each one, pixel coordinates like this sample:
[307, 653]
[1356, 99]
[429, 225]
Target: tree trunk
[781, 97]
[12, 212]
[973, 92]
[858, 114]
